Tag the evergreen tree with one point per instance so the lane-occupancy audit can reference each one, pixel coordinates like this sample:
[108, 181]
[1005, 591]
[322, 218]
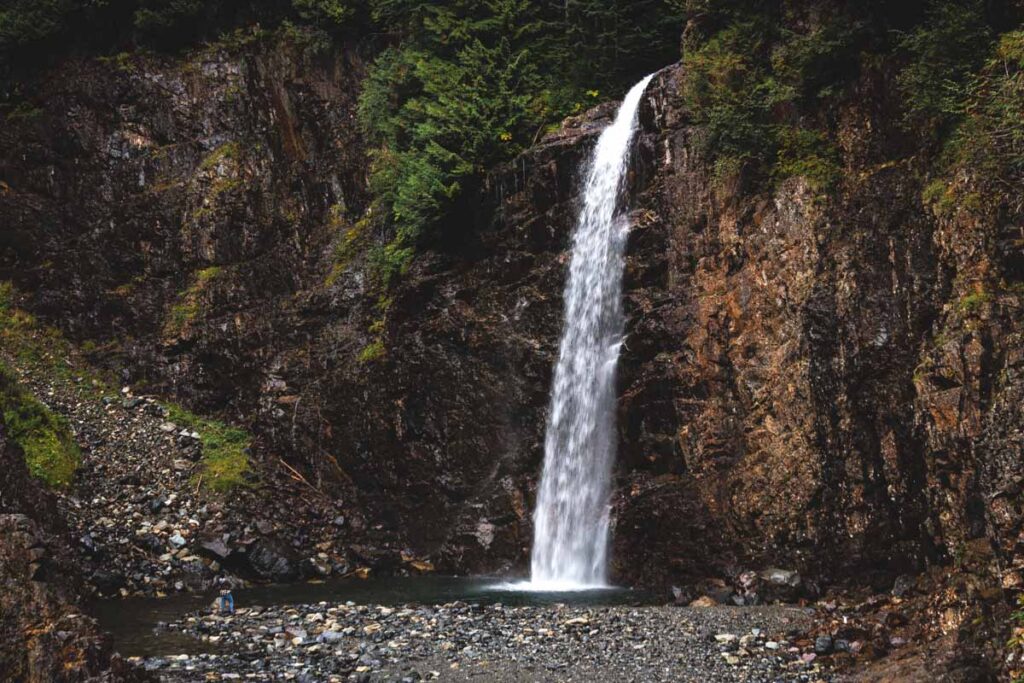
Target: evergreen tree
[471, 83]
[462, 92]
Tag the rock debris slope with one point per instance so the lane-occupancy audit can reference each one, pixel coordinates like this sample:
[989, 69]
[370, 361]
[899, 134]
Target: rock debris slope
[44, 635]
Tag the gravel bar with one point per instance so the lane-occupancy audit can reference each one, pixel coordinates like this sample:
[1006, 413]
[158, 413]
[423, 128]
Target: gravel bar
[463, 642]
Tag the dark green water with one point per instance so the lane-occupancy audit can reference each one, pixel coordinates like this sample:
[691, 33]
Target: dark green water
[134, 622]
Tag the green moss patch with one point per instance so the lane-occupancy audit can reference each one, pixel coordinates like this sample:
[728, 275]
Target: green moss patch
[46, 438]
[372, 351]
[226, 462]
[229, 151]
[189, 304]
[974, 301]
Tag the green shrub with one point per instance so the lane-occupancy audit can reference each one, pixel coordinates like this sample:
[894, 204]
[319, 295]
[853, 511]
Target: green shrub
[986, 144]
[818, 63]
[440, 119]
[808, 154]
[730, 93]
[326, 14]
[471, 84]
[25, 22]
[943, 53]
[990, 139]
[746, 82]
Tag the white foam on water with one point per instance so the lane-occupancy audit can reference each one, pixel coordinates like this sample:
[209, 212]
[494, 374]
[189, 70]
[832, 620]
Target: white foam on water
[547, 587]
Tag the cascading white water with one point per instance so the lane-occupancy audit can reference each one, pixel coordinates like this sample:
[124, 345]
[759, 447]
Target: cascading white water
[570, 538]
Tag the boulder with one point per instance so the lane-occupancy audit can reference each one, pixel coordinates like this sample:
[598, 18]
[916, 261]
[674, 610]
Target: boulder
[779, 585]
[215, 548]
[272, 560]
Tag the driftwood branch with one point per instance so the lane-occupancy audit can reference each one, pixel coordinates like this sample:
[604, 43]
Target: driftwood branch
[298, 477]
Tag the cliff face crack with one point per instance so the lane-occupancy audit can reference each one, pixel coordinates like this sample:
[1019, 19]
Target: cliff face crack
[571, 520]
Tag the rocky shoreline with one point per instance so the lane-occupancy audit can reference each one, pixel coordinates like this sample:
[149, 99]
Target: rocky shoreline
[459, 641]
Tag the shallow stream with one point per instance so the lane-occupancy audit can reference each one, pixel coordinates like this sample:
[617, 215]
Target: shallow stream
[135, 623]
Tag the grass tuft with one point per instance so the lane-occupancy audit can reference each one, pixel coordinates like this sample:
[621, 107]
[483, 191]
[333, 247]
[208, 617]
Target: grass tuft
[372, 352]
[225, 449]
[45, 437]
[188, 306]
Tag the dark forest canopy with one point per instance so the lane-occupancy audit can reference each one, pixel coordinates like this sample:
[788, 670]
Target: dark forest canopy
[454, 87]
[458, 86]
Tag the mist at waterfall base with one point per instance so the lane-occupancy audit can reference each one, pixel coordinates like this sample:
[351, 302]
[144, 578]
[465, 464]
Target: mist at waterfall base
[571, 519]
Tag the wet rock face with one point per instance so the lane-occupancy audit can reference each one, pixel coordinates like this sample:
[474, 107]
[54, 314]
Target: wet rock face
[825, 384]
[802, 379]
[209, 201]
[767, 376]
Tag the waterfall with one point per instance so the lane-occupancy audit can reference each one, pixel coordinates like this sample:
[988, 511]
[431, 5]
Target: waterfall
[570, 538]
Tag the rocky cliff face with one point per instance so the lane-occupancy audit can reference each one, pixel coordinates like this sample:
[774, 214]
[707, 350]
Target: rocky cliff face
[828, 383]
[820, 382]
[44, 636]
[196, 222]
[827, 376]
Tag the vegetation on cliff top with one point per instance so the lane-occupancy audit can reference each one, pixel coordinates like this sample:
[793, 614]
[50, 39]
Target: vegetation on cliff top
[765, 80]
[746, 83]
[38, 28]
[469, 85]
[981, 166]
[457, 87]
[462, 86]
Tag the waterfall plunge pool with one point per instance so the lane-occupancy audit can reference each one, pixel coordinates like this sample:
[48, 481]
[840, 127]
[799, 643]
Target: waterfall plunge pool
[135, 624]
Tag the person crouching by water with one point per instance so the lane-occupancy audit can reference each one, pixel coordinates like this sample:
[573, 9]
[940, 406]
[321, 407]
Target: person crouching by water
[226, 601]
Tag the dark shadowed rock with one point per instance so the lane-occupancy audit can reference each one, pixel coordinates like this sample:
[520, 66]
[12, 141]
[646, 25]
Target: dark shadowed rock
[215, 548]
[272, 560]
[108, 583]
